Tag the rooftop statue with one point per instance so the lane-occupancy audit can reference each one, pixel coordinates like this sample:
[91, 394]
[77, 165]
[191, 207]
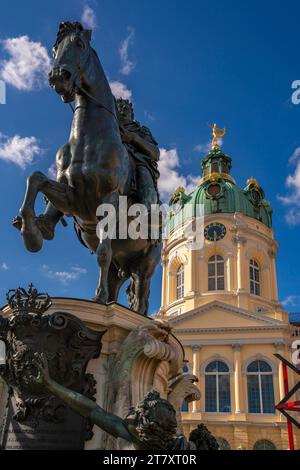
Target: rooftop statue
[108, 155]
[217, 133]
[151, 424]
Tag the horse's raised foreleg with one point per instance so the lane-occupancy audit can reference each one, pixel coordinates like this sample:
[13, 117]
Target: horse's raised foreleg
[59, 195]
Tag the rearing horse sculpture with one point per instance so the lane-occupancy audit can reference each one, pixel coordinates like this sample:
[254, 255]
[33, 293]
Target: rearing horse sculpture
[93, 168]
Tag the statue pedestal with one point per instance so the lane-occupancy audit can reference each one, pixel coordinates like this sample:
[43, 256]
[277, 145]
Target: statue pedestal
[138, 355]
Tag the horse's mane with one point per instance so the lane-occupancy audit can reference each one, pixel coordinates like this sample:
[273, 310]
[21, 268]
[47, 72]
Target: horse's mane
[66, 28]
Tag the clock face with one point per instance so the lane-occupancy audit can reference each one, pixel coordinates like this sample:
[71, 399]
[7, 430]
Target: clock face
[214, 232]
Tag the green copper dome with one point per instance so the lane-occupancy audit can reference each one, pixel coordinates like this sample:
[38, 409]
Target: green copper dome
[217, 193]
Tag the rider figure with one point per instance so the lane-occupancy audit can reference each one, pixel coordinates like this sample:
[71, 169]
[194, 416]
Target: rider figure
[144, 150]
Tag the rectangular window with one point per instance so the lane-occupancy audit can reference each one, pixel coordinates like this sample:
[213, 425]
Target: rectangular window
[211, 284]
[224, 393]
[254, 275]
[216, 273]
[253, 394]
[211, 269]
[220, 283]
[254, 288]
[211, 393]
[180, 283]
[216, 167]
[267, 391]
[220, 269]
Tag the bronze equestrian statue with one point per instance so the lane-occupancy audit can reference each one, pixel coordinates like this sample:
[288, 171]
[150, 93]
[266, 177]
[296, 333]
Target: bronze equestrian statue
[95, 167]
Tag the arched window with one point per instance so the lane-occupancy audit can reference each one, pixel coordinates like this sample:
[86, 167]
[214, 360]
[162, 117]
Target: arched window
[216, 277]
[180, 282]
[254, 277]
[264, 444]
[260, 388]
[217, 388]
[223, 443]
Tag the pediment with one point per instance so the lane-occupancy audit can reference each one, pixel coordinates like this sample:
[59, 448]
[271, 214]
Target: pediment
[216, 314]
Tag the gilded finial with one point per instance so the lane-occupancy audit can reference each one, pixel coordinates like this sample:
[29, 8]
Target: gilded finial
[217, 133]
[252, 181]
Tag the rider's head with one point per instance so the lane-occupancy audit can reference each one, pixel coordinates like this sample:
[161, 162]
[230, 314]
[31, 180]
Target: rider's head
[155, 421]
[125, 110]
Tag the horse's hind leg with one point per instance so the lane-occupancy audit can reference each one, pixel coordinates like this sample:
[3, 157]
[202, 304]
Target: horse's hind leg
[138, 293]
[139, 290]
[57, 193]
[115, 280]
[104, 250]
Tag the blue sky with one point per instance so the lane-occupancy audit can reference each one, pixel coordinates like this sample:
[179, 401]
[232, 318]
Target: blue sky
[186, 64]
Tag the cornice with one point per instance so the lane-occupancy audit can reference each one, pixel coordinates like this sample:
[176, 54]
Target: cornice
[228, 308]
[230, 329]
[232, 423]
[240, 226]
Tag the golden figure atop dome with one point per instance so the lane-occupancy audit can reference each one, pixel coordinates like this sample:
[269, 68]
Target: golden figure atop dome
[218, 133]
[252, 181]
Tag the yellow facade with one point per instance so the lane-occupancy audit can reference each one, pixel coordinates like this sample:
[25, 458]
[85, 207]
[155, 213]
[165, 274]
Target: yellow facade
[231, 326]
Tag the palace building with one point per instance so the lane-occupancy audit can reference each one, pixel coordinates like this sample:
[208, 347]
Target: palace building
[220, 296]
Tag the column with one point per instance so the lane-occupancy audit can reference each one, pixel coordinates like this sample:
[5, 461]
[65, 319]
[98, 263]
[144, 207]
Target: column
[237, 377]
[240, 267]
[227, 275]
[279, 348]
[190, 273]
[164, 294]
[196, 371]
[274, 294]
[202, 269]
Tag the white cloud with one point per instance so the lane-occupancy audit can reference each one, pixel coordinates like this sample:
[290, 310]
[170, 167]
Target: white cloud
[120, 90]
[206, 148]
[88, 18]
[170, 177]
[64, 276]
[79, 270]
[191, 183]
[292, 199]
[19, 150]
[127, 64]
[292, 216]
[291, 300]
[295, 155]
[4, 266]
[28, 63]
[52, 171]
[149, 115]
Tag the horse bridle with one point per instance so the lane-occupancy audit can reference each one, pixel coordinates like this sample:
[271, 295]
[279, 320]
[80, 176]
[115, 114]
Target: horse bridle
[85, 92]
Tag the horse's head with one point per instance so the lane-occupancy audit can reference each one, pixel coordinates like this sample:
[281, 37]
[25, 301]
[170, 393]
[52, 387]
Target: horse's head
[71, 52]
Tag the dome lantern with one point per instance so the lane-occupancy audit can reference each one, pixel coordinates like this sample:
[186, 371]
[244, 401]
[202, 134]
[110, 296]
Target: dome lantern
[217, 191]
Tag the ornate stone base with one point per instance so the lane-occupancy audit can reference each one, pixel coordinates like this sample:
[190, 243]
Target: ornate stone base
[138, 354]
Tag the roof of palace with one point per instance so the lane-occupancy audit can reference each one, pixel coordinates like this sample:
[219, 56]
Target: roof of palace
[217, 192]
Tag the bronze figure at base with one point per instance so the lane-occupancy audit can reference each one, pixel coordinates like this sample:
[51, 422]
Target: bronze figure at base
[151, 425]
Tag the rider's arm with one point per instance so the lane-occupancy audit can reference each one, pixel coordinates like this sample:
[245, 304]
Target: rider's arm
[90, 410]
[146, 147]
